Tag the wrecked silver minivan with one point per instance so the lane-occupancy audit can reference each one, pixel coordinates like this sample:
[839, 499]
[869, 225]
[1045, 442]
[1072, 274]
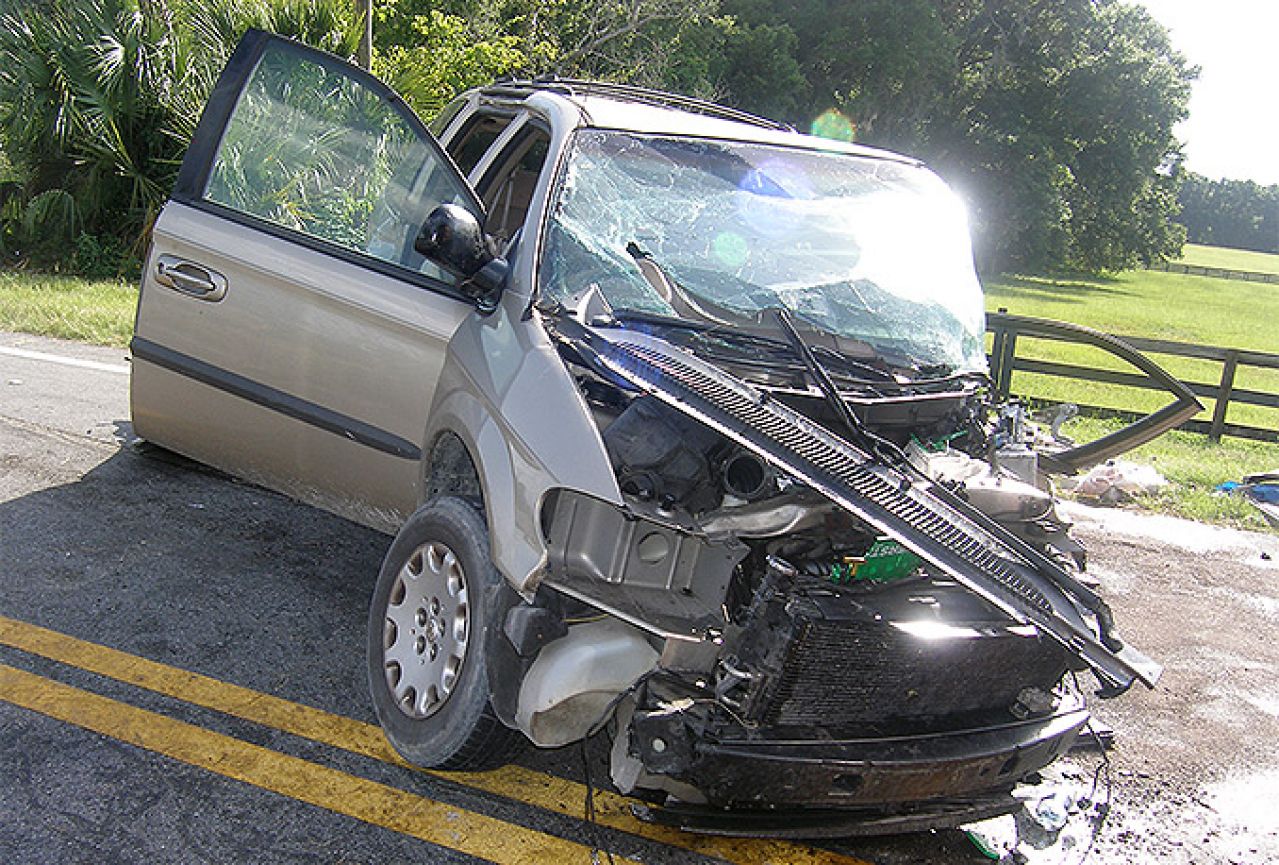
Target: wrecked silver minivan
[681, 420]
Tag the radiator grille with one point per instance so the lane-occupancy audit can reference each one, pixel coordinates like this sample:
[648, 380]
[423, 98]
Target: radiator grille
[872, 679]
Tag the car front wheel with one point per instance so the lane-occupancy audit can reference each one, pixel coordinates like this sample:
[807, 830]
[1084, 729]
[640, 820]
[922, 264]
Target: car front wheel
[431, 613]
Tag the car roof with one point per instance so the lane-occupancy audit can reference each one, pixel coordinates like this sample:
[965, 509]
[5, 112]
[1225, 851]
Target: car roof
[605, 105]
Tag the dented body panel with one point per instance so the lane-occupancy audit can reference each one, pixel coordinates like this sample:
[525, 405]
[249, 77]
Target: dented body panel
[505, 392]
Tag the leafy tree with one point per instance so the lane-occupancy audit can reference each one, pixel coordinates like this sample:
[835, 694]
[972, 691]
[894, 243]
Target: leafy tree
[1237, 213]
[86, 104]
[429, 56]
[1053, 117]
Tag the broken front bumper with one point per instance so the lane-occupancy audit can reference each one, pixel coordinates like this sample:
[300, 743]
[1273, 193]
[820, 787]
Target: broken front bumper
[868, 786]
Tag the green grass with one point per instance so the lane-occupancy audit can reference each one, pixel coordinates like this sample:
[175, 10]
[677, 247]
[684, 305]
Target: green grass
[1231, 259]
[94, 311]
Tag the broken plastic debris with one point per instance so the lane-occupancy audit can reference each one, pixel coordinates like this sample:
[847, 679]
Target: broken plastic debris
[995, 838]
[1261, 490]
[1118, 480]
[1052, 811]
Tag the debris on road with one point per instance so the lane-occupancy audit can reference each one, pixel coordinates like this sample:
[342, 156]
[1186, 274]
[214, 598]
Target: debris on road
[1261, 490]
[1116, 481]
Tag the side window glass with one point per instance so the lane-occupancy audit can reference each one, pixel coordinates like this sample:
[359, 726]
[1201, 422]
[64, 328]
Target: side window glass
[474, 140]
[313, 150]
[508, 187]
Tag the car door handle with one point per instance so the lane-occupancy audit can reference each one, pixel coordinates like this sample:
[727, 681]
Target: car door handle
[190, 278]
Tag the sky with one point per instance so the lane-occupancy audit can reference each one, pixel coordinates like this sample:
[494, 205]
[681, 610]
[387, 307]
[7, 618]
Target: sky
[1233, 128]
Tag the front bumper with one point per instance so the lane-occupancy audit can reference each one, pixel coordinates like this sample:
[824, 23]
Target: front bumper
[881, 785]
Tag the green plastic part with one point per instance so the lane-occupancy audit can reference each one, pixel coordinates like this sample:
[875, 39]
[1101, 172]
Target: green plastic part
[885, 561]
[984, 846]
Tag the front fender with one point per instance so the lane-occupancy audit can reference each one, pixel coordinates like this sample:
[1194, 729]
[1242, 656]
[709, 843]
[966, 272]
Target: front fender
[506, 393]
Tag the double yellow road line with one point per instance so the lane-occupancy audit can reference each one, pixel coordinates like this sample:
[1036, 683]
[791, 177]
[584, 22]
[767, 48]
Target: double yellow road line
[379, 804]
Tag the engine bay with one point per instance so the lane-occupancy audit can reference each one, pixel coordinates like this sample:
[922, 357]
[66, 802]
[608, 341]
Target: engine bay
[769, 587]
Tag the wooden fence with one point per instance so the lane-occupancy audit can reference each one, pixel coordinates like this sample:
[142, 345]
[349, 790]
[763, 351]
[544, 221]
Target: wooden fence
[1004, 361]
[1218, 272]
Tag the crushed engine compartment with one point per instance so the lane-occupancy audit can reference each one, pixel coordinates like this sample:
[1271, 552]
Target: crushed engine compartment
[879, 631]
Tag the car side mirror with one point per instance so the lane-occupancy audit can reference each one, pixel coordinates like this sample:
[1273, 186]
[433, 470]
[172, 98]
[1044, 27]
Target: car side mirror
[453, 238]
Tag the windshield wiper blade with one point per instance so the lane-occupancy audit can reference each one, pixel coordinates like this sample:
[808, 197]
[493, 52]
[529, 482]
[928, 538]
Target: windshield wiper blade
[669, 288]
[742, 338]
[880, 445]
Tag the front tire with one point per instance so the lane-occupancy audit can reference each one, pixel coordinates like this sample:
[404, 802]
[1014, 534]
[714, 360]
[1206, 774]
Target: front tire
[429, 622]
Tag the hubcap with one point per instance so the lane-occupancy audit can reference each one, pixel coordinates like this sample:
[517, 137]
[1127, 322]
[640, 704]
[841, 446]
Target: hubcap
[426, 629]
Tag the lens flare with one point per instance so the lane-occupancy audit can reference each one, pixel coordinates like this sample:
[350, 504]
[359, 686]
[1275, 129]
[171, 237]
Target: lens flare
[730, 248]
[832, 124]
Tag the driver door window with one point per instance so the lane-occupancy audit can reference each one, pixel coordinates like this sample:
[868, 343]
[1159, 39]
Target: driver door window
[310, 150]
[507, 188]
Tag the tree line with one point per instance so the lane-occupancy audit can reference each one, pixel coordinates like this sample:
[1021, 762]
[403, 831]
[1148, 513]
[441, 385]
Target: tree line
[1053, 118]
[1236, 213]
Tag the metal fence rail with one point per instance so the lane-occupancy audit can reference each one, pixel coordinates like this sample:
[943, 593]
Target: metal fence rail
[1004, 361]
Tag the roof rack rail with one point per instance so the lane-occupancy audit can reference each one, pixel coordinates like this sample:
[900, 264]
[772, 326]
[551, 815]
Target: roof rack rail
[630, 92]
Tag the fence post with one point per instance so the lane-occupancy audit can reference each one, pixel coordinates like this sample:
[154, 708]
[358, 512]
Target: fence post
[1223, 395]
[1002, 351]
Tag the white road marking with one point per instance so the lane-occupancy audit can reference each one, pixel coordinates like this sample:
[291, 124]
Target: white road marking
[65, 361]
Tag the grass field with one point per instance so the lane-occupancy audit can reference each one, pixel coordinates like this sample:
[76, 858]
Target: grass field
[1231, 259]
[1154, 304]
[89, 311]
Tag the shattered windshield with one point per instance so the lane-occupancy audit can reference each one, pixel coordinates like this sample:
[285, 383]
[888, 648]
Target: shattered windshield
[867, 249]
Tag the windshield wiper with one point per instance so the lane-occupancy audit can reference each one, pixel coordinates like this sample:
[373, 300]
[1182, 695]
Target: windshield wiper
[888, 451]
[669, 289]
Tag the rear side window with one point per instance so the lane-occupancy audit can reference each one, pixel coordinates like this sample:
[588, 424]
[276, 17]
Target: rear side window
[475, 138]
[311, 149]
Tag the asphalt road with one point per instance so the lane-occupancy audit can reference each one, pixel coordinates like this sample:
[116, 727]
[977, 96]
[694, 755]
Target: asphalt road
[181, 679]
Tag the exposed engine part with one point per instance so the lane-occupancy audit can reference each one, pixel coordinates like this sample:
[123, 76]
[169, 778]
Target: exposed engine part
[747, 477]
[656, 575]
[1011, 423]
[1019, 461]
[1007, 500]
[926, 517]
[576, 679]
[1002, 498]
[780, 515]
[660, 455]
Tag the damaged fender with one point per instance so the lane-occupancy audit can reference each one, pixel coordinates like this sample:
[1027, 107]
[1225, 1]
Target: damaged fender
[505, 392]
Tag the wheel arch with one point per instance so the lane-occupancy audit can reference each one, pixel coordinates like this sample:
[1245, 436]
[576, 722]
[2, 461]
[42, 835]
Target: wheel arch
[450, 470]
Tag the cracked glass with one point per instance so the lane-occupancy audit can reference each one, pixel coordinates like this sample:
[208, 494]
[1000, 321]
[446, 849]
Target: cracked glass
[868, 249]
